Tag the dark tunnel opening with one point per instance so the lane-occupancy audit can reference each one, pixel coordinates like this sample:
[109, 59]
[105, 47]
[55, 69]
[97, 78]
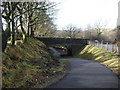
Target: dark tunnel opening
[64, 50]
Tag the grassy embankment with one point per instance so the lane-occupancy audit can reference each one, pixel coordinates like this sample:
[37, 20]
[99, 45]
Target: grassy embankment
[110, 60]
[30, 65]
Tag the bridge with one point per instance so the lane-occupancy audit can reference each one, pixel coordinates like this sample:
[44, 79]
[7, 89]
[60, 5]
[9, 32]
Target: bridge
[72, 44]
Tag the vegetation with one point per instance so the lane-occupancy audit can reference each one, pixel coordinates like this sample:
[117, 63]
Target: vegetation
[71, 31]
[110, 60]
[26, 19]
[26, 62]
[30, 64]
[90, 32]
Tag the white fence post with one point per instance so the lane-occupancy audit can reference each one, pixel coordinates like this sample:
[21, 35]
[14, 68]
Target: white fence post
[107, 46]
[102, 44]
[112, 47]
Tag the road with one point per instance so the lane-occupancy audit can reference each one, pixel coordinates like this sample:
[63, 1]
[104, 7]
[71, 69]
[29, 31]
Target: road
[87, 74]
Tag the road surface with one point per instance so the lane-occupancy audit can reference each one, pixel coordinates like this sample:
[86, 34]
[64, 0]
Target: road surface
[87, 74]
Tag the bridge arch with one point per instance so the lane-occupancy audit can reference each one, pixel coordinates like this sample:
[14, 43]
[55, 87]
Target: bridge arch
[72, 45]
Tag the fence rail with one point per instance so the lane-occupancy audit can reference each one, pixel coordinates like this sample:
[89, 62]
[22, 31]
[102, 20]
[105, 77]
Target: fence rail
[114, 48]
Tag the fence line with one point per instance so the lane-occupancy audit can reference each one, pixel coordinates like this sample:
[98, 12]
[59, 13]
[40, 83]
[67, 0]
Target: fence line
[114, 48]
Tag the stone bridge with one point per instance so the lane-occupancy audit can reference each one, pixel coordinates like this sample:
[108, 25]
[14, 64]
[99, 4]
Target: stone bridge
[73, 45]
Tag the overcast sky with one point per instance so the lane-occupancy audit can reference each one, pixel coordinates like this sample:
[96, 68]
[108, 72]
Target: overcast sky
[83, 12]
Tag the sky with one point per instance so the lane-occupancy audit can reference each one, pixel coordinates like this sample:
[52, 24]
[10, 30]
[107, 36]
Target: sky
[83, 12]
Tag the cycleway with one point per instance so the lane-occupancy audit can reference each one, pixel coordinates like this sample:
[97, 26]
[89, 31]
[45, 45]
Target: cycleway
[87, 74]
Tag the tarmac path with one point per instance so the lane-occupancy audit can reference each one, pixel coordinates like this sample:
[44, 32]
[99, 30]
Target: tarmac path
[87, 74]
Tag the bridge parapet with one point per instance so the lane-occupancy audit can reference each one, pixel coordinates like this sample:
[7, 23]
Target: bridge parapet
[63, 41]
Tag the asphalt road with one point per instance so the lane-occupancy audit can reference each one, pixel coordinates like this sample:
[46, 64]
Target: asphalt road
[87, 74]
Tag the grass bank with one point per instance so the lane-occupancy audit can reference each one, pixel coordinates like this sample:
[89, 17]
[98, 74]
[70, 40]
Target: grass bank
[110, 60]
[30, 65]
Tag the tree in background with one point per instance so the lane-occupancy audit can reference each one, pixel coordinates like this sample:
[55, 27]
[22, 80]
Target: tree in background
[106, 34]
[46, 26]
[71, 31]
[100, 26]
[89, 32]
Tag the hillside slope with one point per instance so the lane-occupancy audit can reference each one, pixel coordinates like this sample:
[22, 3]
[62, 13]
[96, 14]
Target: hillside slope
[29, 65]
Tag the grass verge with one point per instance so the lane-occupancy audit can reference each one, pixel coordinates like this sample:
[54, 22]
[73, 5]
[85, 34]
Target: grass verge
[110, 60]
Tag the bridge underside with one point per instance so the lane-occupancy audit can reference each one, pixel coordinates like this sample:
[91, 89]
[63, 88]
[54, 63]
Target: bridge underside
[71, 49]
[72, 45]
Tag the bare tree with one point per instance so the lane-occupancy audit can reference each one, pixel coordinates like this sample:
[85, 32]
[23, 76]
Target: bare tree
[71, 31]
[100, 26]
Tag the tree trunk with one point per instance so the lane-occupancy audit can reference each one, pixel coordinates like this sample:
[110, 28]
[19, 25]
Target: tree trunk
[28, 16]
[32, 32]
[1, 34]
[5, 35]
[28, 33]
[13, 32]
[12, 41]
[23, 31]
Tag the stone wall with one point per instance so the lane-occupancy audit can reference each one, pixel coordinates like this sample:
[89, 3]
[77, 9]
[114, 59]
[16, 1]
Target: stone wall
[62, 41]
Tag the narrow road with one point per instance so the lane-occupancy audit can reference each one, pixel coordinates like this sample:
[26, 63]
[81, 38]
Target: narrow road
[87, 74]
